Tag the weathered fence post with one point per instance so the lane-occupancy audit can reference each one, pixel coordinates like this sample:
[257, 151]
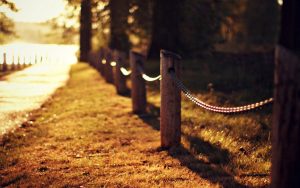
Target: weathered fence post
[13, 63]
[138, 87]
[4, 65]
[24, 61]
[109, 77]
[170, 109]
[285, 169]
[35, 59]
[19, 63]
[100, 63]
[119, 78]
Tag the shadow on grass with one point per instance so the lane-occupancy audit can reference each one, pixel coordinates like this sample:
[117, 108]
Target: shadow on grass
[210, 170]
[152, 116]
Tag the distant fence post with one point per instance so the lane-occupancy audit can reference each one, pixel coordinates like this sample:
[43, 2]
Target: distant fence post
[13, 63]
[138, 88]
[100, 63]
[19, 63]
[170, 109]
[109, 77]
[35, 59]
[4, 65]
[90, 58]
[24, 61]
[119, 78]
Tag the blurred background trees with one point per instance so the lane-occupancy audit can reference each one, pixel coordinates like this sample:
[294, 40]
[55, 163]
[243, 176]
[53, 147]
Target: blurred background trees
[6, 24]
[192, 28]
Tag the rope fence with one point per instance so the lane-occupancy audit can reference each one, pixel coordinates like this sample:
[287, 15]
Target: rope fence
[217, 109]
[111, 64]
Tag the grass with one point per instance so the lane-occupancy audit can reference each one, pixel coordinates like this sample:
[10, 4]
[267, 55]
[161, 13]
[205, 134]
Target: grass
[86, 135]
[239, 143]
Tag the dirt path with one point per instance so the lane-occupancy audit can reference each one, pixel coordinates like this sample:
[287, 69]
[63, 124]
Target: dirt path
[86, 136]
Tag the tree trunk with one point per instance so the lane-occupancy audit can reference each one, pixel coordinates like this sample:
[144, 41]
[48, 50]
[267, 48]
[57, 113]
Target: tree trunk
[85, 29]
[165, 27]
[286, 116]
[119, 11]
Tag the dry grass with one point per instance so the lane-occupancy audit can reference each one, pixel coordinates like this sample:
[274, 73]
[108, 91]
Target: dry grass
[237, 144]
[86, 136]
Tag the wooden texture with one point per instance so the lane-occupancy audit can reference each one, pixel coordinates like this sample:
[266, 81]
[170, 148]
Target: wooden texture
[138, 87]
[4, 64]
[170, 109]
[85, 29]
[101, 67]
[285, 170]
[108, 72]
[286, 121]
[119, 78]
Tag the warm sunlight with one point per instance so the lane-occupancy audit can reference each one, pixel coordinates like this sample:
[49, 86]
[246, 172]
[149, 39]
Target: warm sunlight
[35, 10]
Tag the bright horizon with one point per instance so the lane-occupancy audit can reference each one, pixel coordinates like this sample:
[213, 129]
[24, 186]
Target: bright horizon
[35, 10]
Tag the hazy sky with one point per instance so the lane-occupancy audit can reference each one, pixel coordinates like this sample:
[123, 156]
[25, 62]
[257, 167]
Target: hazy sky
[35, 10]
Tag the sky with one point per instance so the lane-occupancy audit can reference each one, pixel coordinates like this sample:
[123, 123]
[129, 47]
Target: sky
[35, 10]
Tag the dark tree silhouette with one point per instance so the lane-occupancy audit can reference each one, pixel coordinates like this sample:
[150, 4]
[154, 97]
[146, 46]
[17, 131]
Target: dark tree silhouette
[85, 29]
[286, 116]
[165, 26]
[119, 11]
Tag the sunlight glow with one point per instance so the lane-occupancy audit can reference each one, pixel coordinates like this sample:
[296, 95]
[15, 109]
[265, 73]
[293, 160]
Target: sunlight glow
[35, 10]
[38, 53]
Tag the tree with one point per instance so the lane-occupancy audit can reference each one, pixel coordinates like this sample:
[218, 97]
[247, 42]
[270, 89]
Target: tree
[119, 12]
[165, 27]
[6, 24]
[200, 25]
[10, 5]
[261, 20]
[286, 115]
[85, 29]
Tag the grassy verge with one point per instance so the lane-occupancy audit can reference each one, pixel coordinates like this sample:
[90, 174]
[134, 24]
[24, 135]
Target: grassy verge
[87, 136]
[240, 143]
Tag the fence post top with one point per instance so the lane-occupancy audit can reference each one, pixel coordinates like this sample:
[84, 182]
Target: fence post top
[166, 53]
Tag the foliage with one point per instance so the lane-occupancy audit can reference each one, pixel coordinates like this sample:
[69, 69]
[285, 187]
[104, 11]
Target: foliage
[199, 26]
[9, 4]
[6, 24]
[118, 13]
[261, 21]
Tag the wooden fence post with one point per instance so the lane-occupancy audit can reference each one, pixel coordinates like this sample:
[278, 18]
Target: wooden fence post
[170, 109]
[13, 63]
[4, 65]
[100, 66]
[109, 77]
[24, 61]
[35, 59]
[138, 87]
[19, 63]
[285, 169]
[119, 78]
[90, 58]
